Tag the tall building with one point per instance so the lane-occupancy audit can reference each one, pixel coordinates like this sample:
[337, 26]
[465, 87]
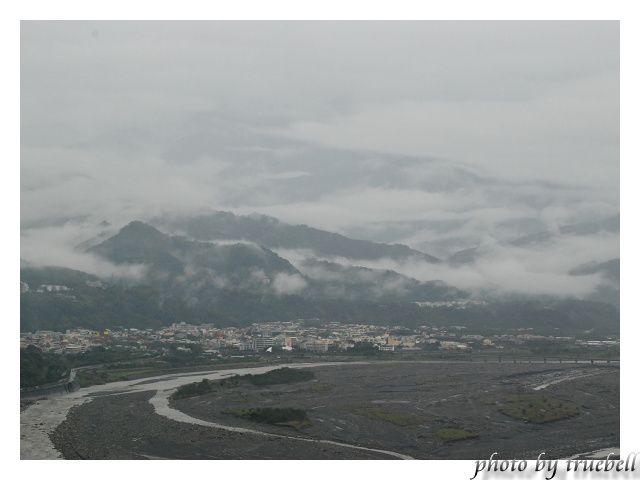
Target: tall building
[261, 343]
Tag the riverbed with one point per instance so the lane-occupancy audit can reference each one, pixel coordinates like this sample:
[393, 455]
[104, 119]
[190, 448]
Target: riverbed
[135, 420]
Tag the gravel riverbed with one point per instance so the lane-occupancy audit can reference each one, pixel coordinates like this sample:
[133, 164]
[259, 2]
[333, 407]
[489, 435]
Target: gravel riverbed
[463, 396]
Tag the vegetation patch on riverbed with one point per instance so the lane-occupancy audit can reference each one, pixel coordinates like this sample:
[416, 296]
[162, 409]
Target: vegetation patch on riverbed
[286, 417]
[537, 408]
[454, 435]
[273, 377]
[398, 418]
[279, 376]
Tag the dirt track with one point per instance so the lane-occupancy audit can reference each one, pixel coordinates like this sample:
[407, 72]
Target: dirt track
[454, 395]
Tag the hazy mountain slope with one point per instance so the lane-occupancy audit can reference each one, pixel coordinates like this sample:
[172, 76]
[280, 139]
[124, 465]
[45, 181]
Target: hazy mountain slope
[611, 225]
[201, 269]
[607, 292]
[199, 282]
[333, 280]
[177, 262]
[578, 250]
[462, 257]
[36, 276]
[610, 269]
[274, 234]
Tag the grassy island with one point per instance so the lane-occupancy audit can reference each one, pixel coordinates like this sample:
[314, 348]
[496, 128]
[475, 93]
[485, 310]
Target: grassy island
[273, 377]
[286, 417]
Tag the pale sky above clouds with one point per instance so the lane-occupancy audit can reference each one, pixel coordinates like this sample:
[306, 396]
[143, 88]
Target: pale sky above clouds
[495, 93]
[521, 100]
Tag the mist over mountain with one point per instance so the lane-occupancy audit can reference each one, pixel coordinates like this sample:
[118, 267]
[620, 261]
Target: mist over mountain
[311, 251]
[155, 278]
[582, 242]
[274, 234]
[434, 206]
[611, 225]
[544, 238]
[228, 282]
[611, 269]
[376, 210]
[542, 265]
[204, 268]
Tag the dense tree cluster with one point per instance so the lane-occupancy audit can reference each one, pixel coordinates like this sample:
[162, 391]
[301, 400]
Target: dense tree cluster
[281, 375]
[38, 367]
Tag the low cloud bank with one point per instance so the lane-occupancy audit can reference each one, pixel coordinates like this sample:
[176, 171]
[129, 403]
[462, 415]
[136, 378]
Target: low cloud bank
[285, 284]
[58, 247]
[500, 269]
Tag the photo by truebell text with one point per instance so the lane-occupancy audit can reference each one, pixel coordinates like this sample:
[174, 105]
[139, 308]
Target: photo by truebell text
[550, 467]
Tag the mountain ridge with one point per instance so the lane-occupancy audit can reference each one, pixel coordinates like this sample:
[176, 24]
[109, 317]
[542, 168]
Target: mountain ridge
[273, 234]
[202, 267]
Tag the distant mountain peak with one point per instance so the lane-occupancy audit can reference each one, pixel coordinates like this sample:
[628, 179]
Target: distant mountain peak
[140, 231]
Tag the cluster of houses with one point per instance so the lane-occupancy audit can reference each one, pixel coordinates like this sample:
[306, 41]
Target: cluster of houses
[72, 341]
[285, 335]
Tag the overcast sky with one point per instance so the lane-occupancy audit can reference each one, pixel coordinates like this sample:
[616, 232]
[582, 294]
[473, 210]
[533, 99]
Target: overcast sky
[442, 135]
